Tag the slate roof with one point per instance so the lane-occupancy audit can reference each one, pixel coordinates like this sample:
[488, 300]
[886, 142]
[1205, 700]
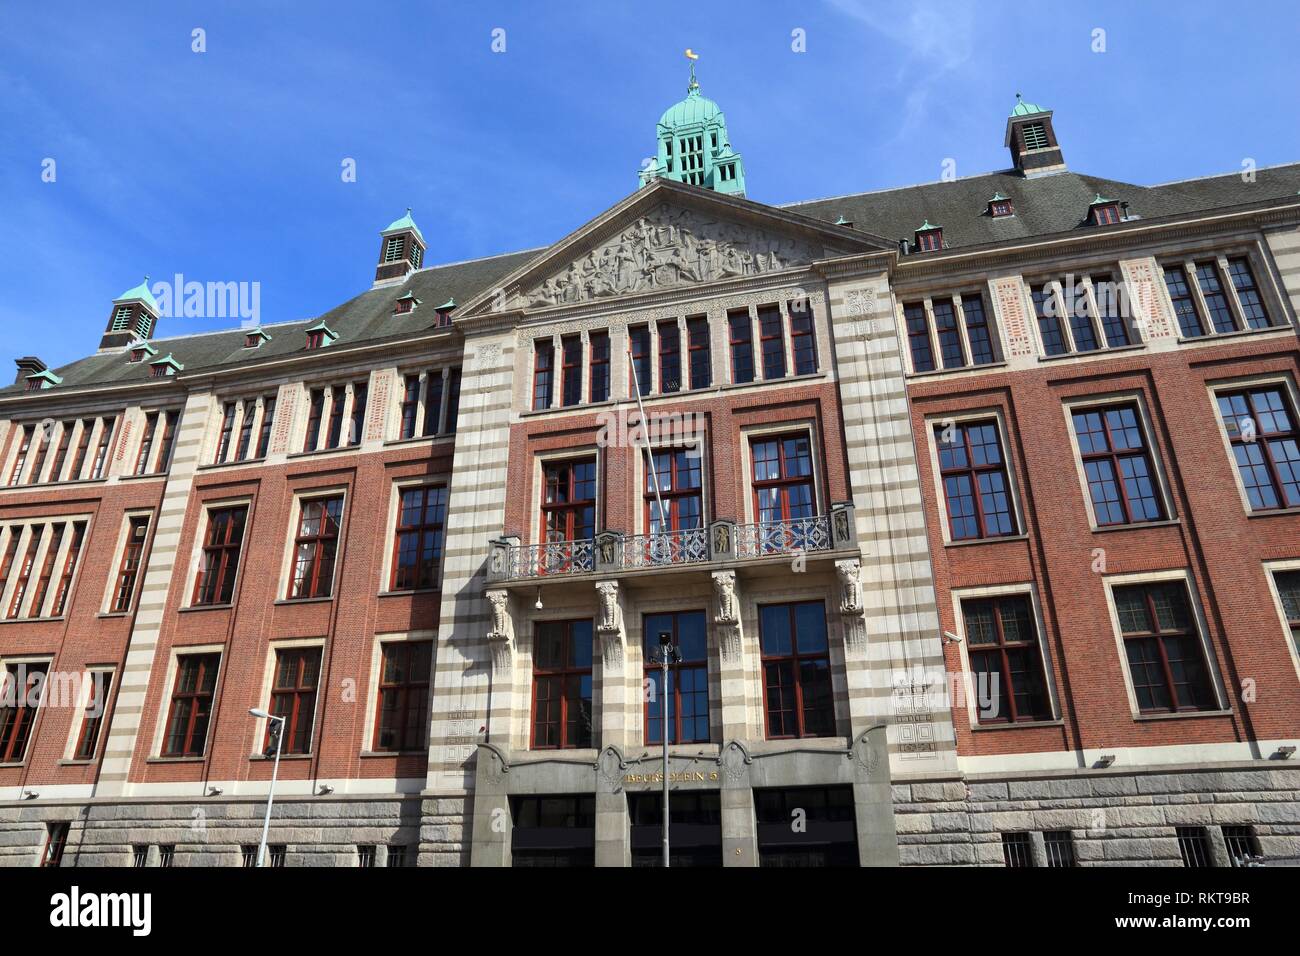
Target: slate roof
[1044, 206]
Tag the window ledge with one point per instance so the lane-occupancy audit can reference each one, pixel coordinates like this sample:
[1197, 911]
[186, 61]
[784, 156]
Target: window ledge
[966, 543]
[153, 476]
[937, 372]
[1109, 350]
[31, 620]
[10, 764]
[1017, 725]
[319, 452]
[313, 600]
[261, 758]
[205, 607]
[176, 760]
[112, 614]
[1138, 525]
[1272, 512]
[75, 763]
[213, 465]
[423, 752]
[409, 592]
[1238, 334]
[1183, 715]
[56, 484]
[417, 439]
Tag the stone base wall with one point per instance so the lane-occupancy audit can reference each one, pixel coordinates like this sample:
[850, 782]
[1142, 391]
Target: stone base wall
[1116, 818]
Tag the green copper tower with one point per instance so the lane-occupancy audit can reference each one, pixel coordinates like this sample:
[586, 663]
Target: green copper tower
[693, 145]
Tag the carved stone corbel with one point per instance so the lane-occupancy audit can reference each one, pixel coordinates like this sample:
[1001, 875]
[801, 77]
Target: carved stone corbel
[610, 624]
[852, 612]
[726, 618]
[501, 636]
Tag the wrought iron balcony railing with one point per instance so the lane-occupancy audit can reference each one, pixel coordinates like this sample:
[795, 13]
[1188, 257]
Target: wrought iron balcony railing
[721, 541]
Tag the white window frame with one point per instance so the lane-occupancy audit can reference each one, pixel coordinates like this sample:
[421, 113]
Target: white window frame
[1112, 581]
[115, 568]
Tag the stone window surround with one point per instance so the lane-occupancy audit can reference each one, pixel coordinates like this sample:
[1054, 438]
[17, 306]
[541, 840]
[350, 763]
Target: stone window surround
[79, 714]
[1282, 380]
[749, 433]
[998, 414]
[372, 690]
[926, 299]
[115, 564]
[5, 661]
[301, 495]
[206, 508]
[1220, 254]
[216, 417]
[1271, 568]
[640, 475]
[1112, 581]
[1055, 287]
[1028, 589]
[1135, 397]
[264, 695]
[554, 456]
[24, 526]
[388, 564]
[165, 698]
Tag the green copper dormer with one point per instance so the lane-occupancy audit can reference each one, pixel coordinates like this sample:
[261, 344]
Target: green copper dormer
[134, 314]
[42, 379]
[140, 350]
[254, 338]
[320, 336]
[165, 366]
[693, 145]
[407, 302]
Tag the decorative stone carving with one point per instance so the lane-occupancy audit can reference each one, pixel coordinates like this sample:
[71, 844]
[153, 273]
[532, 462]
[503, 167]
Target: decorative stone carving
[724, 588]
[735, 761]
[610, 625]
[610, 765]
[852, 614]
[502, 634]
[666, 248]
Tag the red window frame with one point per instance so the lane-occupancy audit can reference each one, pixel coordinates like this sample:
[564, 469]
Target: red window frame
[268, 422]
[1288, 589]
[107, 433]
[25, 572]
[799, 675]
[570, 370]
[132, 559]
[638, 371]
[680, 478]
[222, 544]
[1012, 634]
[315, 547]
[42, 452]
[771, 342]
[293, 697]
[47, 571]
[1106, 214]
[227, 432]
[1256, 456]
[670, 357]
[248, 411]
[402, 707]
[190, 712]
[23, 450]
[18, 718]
[432, 402]
[803, 336]
[787, 477]
[691, 670]
[1248, 297]
[69, 568]
[972, 472]
[338, 398]
[740, 340]
[314, 415]
[410, 405]
[168, 441]
[418, 540]
[315, 340]
[562, 686]
[83, 446]
[565, 502]
[918, 337]
[1158, 638]
[598, 386]
[929, 241]
[543, 373]
[61, 452]
[357, 421]
[56, 839]
[92, 719]
[699, 353]
[1113, 458]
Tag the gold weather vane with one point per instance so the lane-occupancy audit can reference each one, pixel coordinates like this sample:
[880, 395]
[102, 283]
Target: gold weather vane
[692, 56]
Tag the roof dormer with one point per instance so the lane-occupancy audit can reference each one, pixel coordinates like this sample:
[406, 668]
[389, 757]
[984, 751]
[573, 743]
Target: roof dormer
[405, 304]
[255, 337]
[140, 351]
[42, 379]
[1104, 212]
[1000, 207]
[929, 237]
[165, 367]
[444, 313]
[135, 312]
[320, 336]
[401, 250]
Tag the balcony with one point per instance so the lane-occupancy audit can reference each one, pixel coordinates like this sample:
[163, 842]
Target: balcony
[722, 542]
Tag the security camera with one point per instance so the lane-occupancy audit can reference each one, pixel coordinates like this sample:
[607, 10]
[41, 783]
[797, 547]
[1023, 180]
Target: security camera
[950, 638]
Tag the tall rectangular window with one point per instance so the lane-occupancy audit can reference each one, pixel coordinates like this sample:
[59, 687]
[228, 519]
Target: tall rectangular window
[1165, 658]
[543, 370]
[56, 838]
[69, 568]
[191, 705]
[569, 500]
[571, 371]
[783, 489]
[977, 329]
[562, 701]
[248, 412]
[1288, 589]
[61, 452]
[92, 718]
[677, 473]
[598, 389]
[334, 434]
[453, 399]
[47, 571]
[1216, 298]
[24, 447]
[741, 340]
[421, 520]
[168, 443]
[410, 405]
[918, 337]
[83, 447]
[23, 690]
[25, 572]
[1261, 427]
[316, 409]
[1252, 306]
[293, 697]
[42, 450]
[357, 420]
[1117, 465]
[797, 698]
[268, 423]
[1081, 327]
[108, 428]
[698, 348]
[1049, 321]
[945, 328]
[227, 432]
[1005, 660]
[670, 357]
[315, 547]
[1184, 302]
[639, 345]
[687, 694]
[803, 337]
[771, 338]
[146, 444]
[432, 402]
[221, 550]
[976, 486]
[403, 707]
[1110, 307]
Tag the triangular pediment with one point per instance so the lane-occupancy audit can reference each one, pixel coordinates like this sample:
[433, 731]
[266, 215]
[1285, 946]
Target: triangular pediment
[667, 236]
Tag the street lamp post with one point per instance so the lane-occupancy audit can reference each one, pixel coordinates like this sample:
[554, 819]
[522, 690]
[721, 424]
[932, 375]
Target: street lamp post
[277, 735]
[667, 655]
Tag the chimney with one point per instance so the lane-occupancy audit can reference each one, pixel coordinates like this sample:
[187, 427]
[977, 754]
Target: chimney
[1032, 141]
[401, 250]
[28, 365]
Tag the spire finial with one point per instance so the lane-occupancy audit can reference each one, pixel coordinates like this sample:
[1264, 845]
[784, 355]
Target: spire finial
[692, 56]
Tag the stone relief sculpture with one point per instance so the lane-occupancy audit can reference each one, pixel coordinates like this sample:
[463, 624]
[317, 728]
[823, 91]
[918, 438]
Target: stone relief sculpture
[724, 588]
[610, 625]
[502, 634]
[667, 248]
[850, 587]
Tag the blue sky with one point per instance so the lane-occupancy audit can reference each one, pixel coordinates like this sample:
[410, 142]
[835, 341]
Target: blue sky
[225, 165]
